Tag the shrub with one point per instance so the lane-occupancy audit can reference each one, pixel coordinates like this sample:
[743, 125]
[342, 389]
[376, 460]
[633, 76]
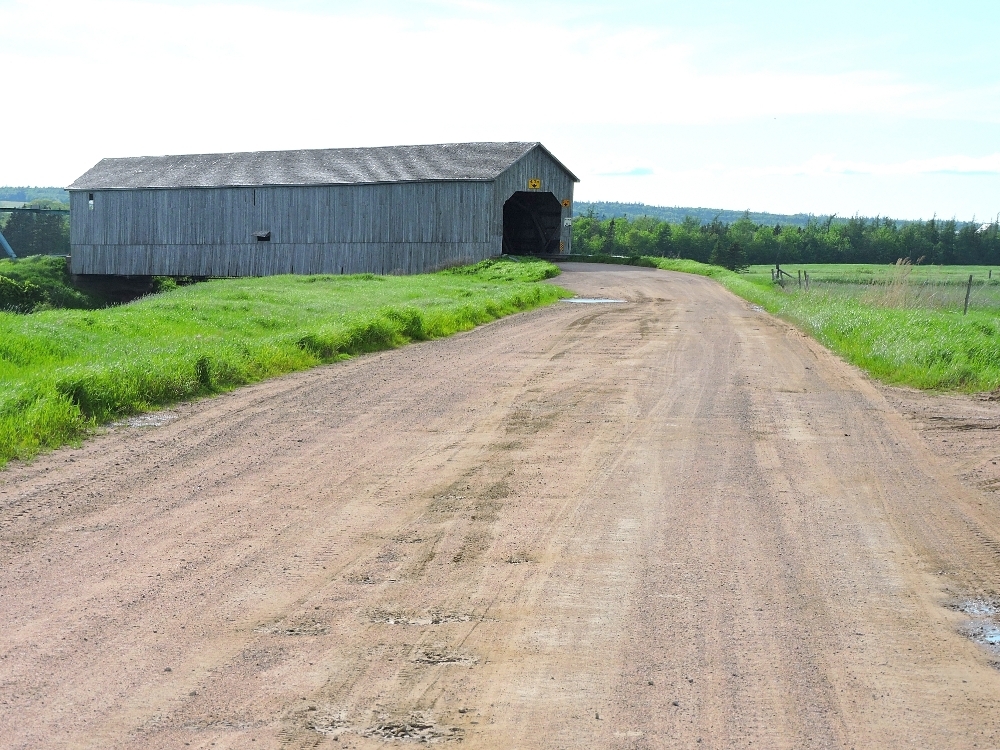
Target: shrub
[20, 297]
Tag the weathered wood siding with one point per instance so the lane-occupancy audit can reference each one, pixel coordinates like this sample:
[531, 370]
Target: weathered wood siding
[395, 228]
[536, 164]
[268, 258]
[409, 227]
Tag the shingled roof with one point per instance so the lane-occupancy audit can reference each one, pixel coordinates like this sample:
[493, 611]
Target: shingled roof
[331, 166]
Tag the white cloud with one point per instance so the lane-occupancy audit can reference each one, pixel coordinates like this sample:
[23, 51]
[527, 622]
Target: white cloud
[635, 172]
[113, 78]
[824, 165]
[138, 77]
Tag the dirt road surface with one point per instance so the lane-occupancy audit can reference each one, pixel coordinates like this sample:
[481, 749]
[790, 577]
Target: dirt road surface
[670, 522]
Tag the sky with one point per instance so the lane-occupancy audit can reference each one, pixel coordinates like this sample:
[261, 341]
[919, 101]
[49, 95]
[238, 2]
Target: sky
[873, 108]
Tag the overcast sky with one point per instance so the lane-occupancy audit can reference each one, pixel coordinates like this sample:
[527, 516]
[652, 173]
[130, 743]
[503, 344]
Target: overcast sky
[888, 108]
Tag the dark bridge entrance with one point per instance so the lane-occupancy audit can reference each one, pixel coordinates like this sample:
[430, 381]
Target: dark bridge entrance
[531, 224]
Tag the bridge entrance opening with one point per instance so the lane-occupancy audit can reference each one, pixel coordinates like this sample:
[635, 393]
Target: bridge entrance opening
[531, 223]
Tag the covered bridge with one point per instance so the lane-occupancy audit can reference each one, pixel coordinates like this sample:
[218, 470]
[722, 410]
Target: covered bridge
[397, 209]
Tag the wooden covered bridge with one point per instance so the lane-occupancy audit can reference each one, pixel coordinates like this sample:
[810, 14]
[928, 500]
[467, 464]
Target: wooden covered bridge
[398, 209]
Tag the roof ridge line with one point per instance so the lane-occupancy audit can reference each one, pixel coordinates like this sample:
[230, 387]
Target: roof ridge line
[470, 161]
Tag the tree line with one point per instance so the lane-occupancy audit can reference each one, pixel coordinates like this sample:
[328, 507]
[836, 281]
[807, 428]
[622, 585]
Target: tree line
[36, 233]
[745, 242]
[27, 194]
[677, 214]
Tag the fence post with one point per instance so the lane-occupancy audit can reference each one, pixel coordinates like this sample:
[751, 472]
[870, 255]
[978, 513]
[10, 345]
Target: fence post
[800, 278]
[968, 291]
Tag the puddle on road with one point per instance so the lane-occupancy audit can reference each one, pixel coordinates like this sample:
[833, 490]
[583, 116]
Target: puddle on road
[979, 608]
[983, 626]
[989, 634]
[592, 300]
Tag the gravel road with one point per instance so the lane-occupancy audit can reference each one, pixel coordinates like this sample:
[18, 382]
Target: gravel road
[670, 522]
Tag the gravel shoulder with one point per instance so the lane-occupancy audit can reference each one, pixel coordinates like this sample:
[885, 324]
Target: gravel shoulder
[669, 522]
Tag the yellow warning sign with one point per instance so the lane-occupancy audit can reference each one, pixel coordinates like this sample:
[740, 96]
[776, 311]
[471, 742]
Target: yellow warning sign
[566, 203]
[534, 184]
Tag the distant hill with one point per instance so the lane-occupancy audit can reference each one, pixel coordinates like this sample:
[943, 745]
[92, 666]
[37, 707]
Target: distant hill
[676, 214]
[28, 194]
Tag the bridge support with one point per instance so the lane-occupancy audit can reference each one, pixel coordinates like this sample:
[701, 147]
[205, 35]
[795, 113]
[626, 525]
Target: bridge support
[6, 246]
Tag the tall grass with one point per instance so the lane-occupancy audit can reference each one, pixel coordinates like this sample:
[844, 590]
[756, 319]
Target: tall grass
[62, 372]
[883, 329]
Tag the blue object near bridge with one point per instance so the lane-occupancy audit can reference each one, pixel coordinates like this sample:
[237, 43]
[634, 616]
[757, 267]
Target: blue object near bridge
[6, 246]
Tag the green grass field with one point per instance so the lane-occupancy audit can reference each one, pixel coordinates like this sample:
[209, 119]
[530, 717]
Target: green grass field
[869, 272]
[902, 326]
[917, 287]
[62, 372]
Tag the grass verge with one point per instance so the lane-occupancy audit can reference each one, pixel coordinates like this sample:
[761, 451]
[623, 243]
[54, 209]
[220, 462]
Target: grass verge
[62, 372]
[924, 348]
